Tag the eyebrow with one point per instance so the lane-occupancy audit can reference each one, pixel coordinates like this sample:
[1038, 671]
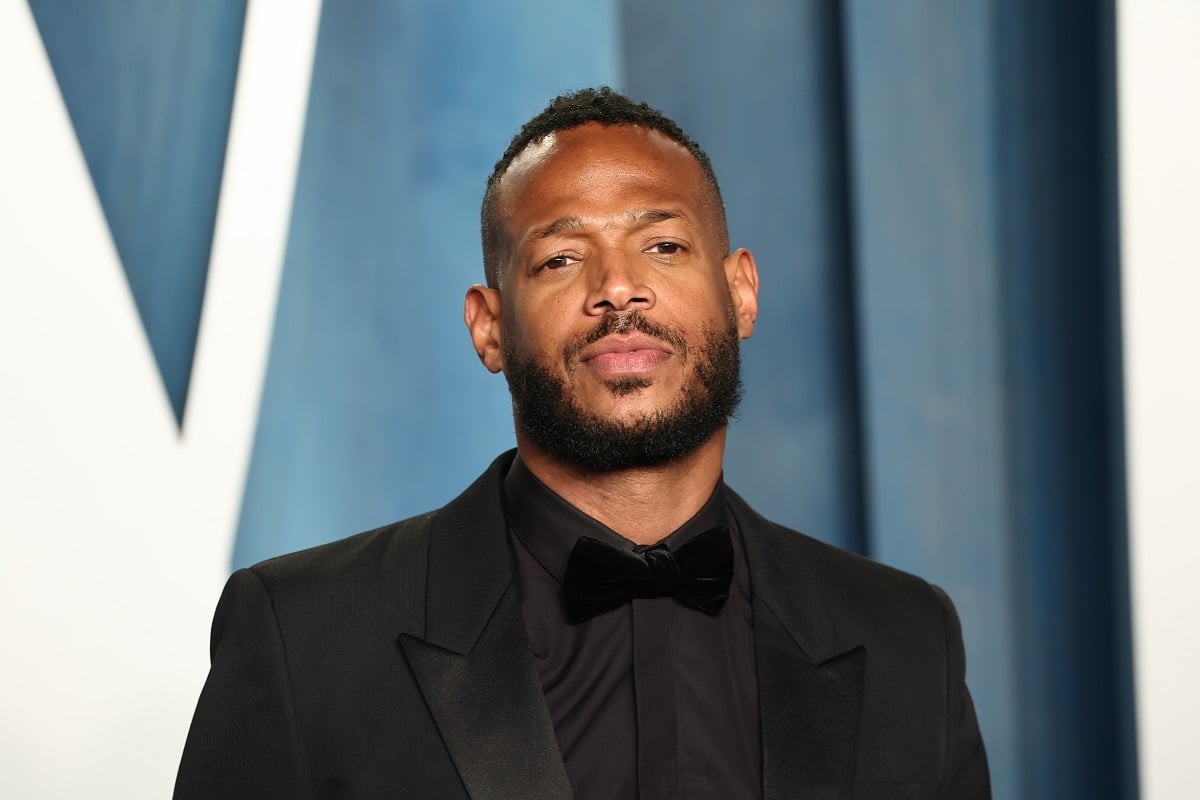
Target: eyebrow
[560, 225]
[637, 219]
[641, 219]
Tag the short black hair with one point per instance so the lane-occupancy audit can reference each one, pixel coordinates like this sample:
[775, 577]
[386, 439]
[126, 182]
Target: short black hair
[601, 105]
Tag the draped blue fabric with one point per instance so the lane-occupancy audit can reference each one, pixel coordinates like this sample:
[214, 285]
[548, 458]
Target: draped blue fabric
[982, 163]
[929, 188]
[149, 87]
[929, 270]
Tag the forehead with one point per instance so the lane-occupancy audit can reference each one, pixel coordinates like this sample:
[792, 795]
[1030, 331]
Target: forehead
[598, 164]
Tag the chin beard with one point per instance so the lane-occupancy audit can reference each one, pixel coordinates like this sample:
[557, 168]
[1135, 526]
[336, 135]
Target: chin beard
[545, 413]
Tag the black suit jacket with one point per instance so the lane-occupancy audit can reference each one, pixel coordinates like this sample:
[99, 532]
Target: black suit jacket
[394, 664]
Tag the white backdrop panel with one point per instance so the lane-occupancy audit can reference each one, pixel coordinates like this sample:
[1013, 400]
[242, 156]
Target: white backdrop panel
[117, 529]
[1159, 120]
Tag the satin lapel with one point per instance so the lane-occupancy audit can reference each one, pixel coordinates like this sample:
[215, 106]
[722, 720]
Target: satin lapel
[473, 661]
[489, 708]
[809, 715]
[810, 671]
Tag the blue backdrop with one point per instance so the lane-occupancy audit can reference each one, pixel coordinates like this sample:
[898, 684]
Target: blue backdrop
[929, 188]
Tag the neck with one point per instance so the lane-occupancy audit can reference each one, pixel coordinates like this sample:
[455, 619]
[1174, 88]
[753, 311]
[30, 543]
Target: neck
[643, 504]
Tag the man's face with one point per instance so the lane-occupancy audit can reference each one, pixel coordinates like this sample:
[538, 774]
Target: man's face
[619, 312]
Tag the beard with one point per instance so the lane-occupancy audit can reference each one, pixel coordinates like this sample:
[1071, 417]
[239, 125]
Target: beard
[544, 410]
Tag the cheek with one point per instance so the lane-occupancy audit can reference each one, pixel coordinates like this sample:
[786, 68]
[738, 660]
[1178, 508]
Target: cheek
[530, 335]
[703, 306]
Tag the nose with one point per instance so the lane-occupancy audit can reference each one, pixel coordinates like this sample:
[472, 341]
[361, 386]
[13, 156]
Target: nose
[619, 282]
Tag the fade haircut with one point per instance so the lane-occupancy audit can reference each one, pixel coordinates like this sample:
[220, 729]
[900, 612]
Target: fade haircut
[603, 106]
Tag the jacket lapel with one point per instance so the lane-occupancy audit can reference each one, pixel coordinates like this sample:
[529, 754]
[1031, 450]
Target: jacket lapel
[472, 660]
[810, 672]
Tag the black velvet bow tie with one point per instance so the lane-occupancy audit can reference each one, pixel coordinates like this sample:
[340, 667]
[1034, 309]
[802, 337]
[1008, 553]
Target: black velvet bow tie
[601, 577]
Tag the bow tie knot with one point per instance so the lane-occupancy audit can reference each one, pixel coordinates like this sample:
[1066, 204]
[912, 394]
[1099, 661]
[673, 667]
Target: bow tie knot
[601, 577]
[663, 579]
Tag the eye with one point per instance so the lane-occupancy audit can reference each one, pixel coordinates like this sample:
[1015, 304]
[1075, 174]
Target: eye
[666, 248]
[558, 262]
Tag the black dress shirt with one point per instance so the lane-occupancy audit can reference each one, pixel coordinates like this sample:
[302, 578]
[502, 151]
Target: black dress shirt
[653, 700]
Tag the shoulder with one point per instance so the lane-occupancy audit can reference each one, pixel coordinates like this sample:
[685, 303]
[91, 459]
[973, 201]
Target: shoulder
[386, 566]
[902, 630]
[355, 556]
[381, 549]
[839, 595]
[375, 578]
[798, 550]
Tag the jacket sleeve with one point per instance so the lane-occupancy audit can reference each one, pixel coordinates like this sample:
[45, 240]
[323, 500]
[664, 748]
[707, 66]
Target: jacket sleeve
[966, 771]
[245, 739]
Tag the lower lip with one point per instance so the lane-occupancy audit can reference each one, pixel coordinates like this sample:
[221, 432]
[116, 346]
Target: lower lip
[627, 363]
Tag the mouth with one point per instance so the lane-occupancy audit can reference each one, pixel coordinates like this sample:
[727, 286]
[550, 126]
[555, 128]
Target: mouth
[625, 354]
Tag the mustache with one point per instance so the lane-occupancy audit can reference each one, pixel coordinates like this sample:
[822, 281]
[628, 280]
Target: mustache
[631, 322]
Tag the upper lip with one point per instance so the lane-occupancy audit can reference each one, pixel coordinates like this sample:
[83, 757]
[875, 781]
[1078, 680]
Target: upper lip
[623, 343]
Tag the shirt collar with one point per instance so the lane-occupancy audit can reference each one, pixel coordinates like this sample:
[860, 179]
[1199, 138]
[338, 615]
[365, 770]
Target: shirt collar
[548, 526]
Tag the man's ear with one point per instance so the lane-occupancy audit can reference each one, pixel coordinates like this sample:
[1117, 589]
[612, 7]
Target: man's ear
[481, 312]
[742, 274]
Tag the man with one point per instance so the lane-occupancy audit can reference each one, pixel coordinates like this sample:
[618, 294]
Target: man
[598, 616]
